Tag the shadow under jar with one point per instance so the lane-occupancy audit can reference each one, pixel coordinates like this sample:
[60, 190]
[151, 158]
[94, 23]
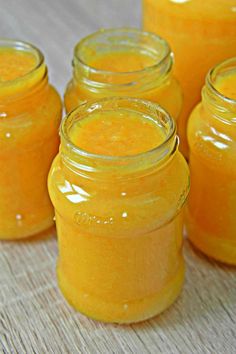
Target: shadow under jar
[124, 62]
[30, 114]
[211, 220]
[119, 213]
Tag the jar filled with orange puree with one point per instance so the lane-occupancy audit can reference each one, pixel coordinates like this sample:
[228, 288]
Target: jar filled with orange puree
[30, 113]
[201, 34]
[118, 186]
[212, 138]
[124, 62]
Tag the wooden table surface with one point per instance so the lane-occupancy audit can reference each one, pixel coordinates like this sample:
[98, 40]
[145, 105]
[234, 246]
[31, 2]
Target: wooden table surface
[34, 317]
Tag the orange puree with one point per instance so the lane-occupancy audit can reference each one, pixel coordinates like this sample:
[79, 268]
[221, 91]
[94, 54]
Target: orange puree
[119, 214]
[124, 62]
[226, 85]
[112, 133]
[14, 64]
[29, 120]
[201, 33]
[212, 138]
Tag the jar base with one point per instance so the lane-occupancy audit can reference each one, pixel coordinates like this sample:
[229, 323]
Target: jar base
[217, 248]
[127, 312]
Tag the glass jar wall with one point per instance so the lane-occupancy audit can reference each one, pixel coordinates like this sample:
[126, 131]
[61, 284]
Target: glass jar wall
[119, 214]
[30, 113]
[201, 33]
[124, 62]
[212, 139]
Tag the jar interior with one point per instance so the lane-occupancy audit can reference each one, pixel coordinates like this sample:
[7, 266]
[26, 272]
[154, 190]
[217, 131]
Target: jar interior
[116, 41]
[17, 61]
[143, 160]
[222, 78]
[128, 59]
[103, 112]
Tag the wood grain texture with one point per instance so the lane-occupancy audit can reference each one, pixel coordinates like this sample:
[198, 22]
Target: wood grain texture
[34, 317]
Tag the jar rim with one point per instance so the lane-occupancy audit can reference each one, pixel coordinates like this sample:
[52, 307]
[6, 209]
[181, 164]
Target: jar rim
[22, 46]
[92, 105]
[116, 31]
[217, 69]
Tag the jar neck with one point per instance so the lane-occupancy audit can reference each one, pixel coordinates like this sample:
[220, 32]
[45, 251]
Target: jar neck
[215, 103]
[126, 41]
[19, 94]
[106, 167]
[122, 168]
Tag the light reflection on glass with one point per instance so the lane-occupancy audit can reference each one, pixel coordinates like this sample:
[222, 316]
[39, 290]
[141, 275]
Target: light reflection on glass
[224, 139]
[73, 193]
[221, 135]
[220, 145]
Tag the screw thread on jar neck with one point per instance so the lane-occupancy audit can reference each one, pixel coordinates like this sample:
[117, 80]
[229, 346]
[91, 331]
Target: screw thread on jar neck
[124, 39]
[220, 106]
[88, 163]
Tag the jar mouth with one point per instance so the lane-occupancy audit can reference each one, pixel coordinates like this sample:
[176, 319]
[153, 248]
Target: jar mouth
[125, 38]
[217, 71]
[23, 47]
[144, 107]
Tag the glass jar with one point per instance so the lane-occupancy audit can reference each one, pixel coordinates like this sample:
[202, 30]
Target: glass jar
[201, 33]
[148, 75]
[119, 220]
[30, 113]
[212, 139]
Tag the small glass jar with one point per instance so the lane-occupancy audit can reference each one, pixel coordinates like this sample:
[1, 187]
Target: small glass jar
[154, 82]
[30, 114]
[211, 208]
[201, 34]
[119, 220]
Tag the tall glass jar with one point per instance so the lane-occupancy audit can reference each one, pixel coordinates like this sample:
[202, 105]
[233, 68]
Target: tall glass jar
[201, 33]
[211, 209]
[30, 114]
[119, 219]
[144, 69]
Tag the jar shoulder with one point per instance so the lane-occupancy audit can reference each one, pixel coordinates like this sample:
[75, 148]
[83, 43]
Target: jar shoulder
[205, 122]
[210, 137]
[167, 186]
[46, 98]
[37, 119]
[114, 205]
[167, 93]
